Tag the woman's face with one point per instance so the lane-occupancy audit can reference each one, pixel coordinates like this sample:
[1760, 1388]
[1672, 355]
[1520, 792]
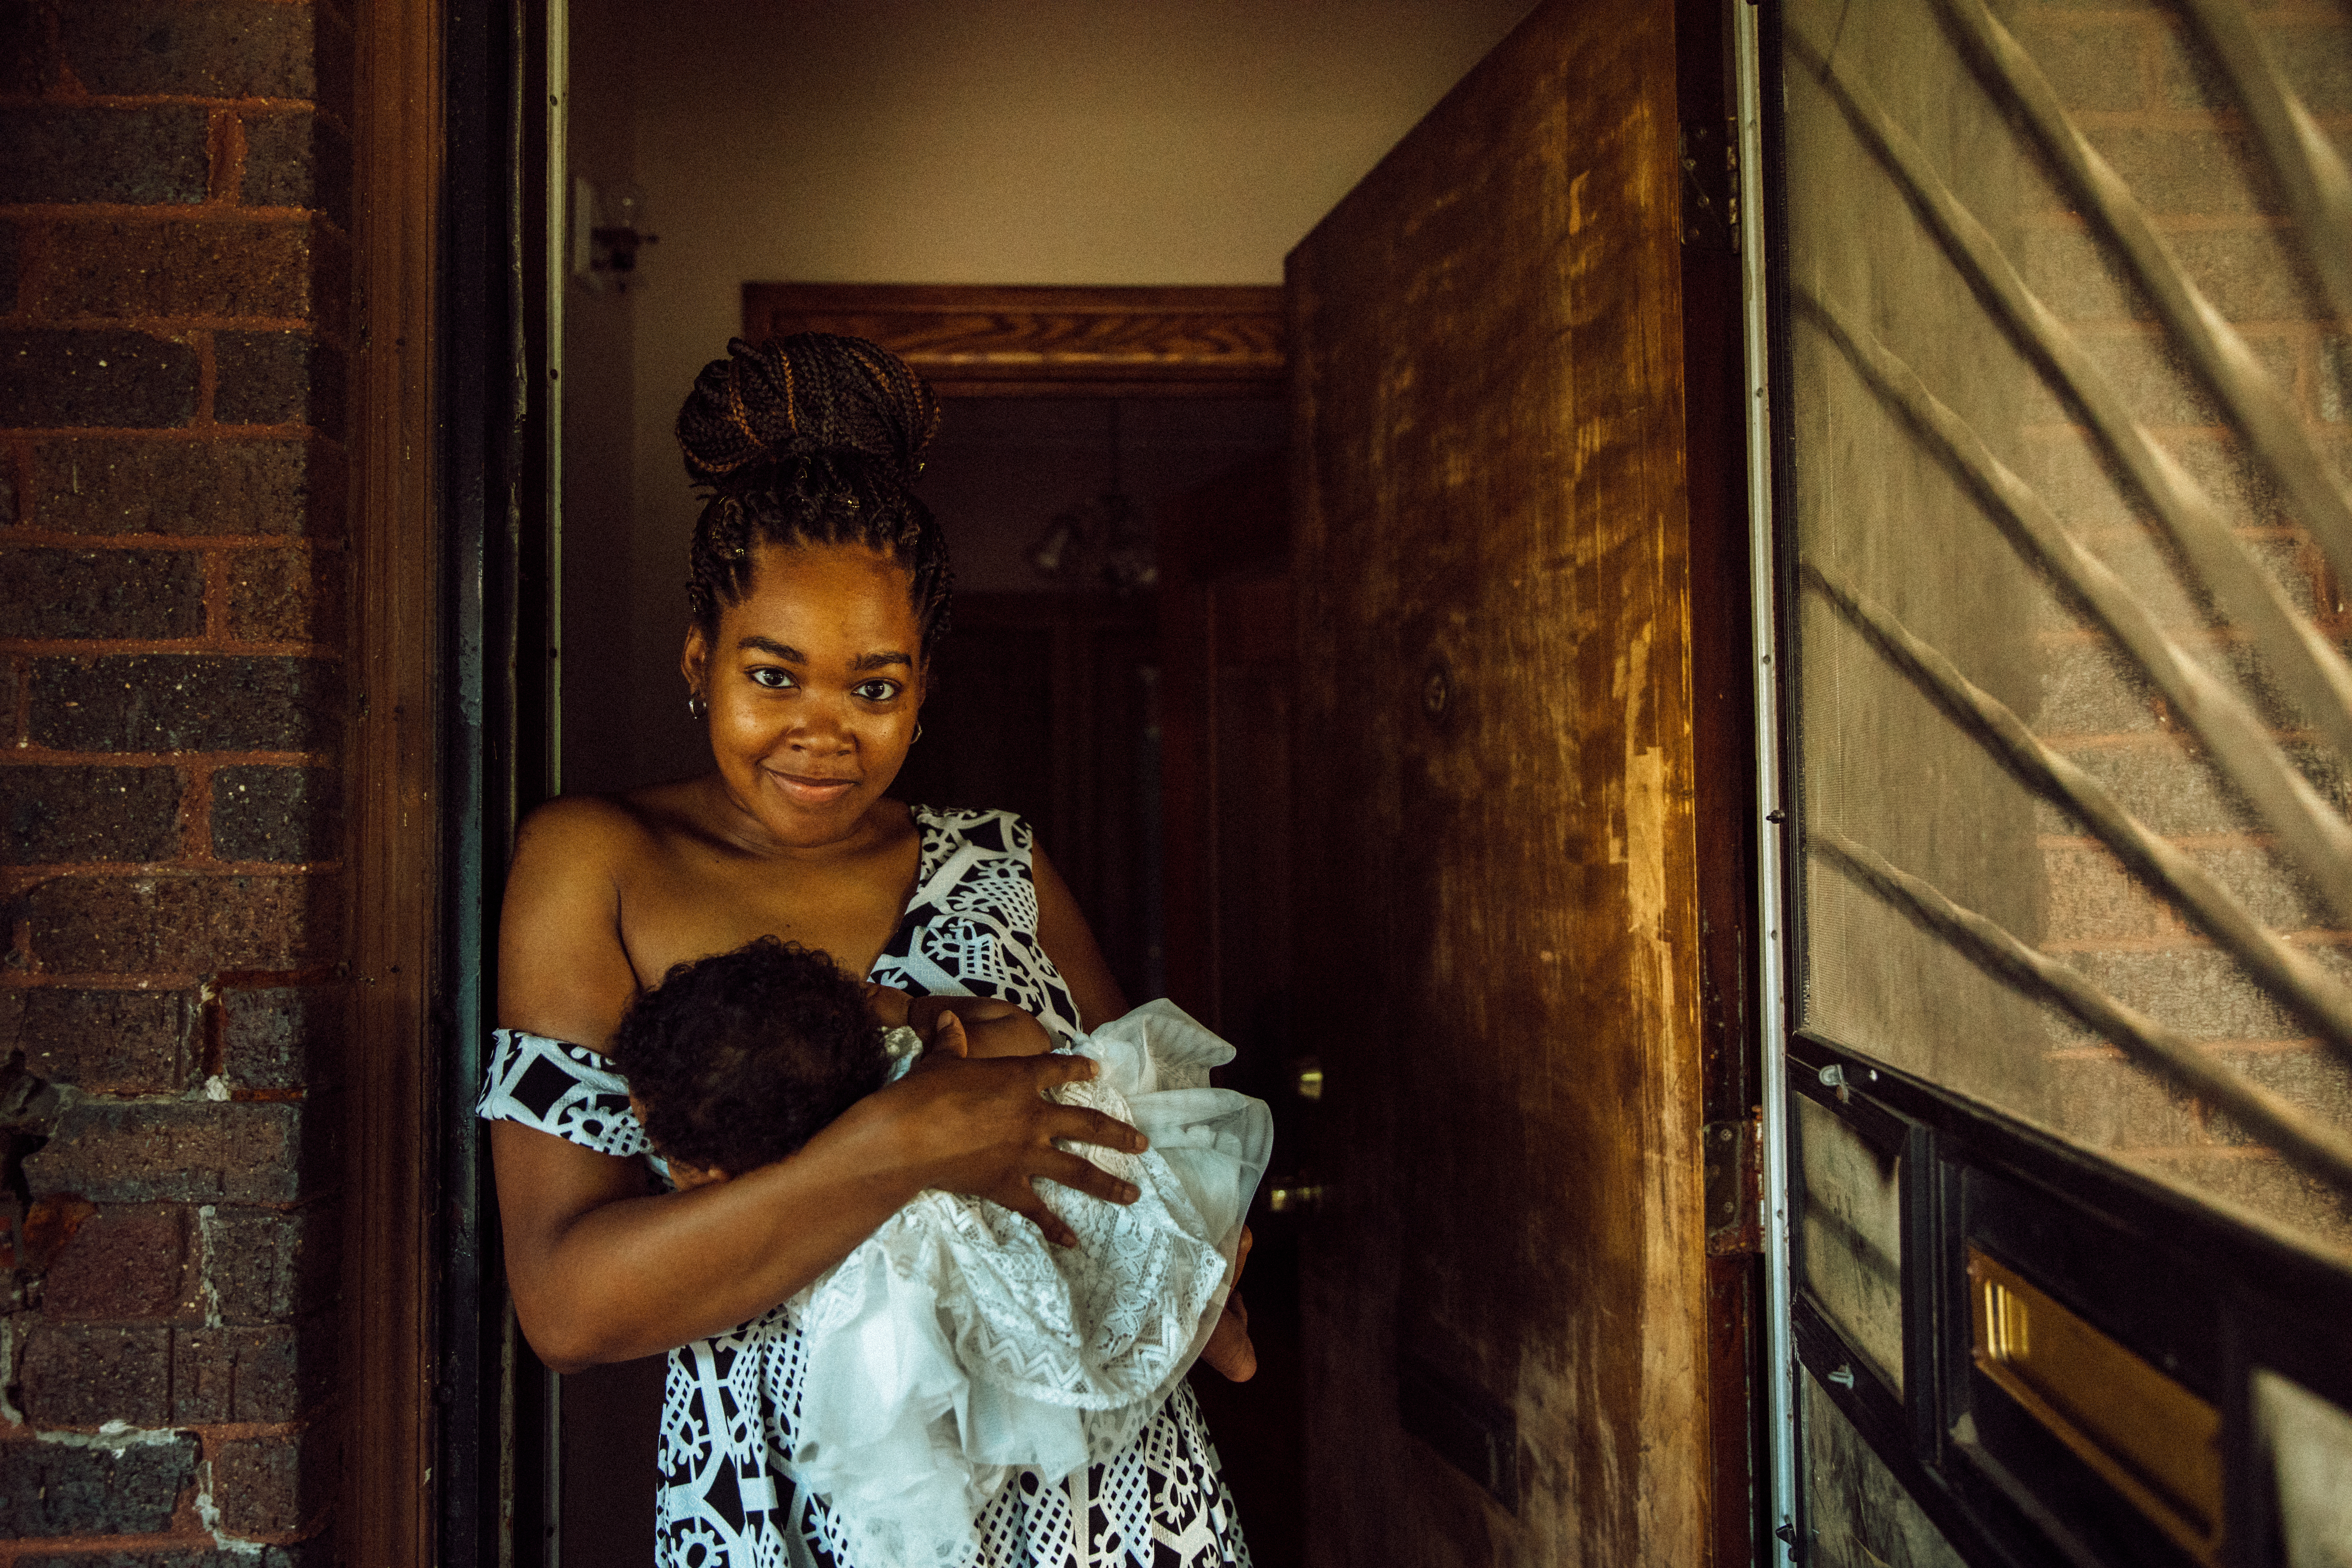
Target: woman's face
[813, 680]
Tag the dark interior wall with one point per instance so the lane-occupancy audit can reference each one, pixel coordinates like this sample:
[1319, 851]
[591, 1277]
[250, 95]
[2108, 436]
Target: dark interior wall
[600, 313]
[174, 318]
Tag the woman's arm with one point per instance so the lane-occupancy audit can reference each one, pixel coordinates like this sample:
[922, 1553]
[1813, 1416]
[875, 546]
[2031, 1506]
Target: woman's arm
[1062, 933]
[602, 1270]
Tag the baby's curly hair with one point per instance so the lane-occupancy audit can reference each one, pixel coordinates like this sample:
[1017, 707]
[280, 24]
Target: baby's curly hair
[740, 1058]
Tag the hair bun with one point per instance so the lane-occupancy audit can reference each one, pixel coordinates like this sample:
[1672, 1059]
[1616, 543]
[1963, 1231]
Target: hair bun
[810, 396]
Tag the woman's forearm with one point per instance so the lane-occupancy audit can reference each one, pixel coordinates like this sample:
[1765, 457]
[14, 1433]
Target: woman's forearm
[602, 1272]
[635, 1275]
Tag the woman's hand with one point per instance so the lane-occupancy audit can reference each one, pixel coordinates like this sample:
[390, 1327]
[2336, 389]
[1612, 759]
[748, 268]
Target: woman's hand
[986, 1129]
[1229, 1349]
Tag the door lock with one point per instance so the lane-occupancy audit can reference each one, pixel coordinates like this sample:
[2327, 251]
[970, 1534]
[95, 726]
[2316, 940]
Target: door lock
[1306, 1078]
[1294, 1197]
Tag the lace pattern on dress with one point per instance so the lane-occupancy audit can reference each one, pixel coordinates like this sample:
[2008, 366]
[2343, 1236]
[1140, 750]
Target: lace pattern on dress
[731, 1401]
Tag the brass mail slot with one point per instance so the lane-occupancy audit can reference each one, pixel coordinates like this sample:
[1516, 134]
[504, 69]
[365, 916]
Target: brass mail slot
[2149, 1438]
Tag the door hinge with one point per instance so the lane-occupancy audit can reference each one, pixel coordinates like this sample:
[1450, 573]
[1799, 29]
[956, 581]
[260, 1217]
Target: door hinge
[1734, 1185]
[1710, 182]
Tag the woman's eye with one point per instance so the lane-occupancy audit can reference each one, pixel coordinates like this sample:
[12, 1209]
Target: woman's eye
[774, 679]
[879, 690]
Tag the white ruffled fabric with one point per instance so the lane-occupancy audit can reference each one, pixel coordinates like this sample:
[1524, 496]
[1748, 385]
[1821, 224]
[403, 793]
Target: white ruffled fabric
[956, 1346]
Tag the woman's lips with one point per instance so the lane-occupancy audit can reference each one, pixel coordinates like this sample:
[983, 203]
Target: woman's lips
[802, 791]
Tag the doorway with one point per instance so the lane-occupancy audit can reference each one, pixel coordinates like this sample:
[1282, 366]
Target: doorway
[622, 717]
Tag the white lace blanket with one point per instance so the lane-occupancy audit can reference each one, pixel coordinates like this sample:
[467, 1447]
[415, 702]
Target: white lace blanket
[956, 1346]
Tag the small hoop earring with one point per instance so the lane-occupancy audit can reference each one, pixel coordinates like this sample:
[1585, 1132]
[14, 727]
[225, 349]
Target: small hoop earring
[918, 731]
[695, 708]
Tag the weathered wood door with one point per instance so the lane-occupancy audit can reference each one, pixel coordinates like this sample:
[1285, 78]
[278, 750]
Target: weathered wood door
[1498, 866]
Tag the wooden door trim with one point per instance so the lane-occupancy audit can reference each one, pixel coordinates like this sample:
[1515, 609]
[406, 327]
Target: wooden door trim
[389, 1269]
[1045, 340]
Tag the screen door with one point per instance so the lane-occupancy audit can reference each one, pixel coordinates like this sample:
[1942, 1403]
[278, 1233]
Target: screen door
[2062, 419]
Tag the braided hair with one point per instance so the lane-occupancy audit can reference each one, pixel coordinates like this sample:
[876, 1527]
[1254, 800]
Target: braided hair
[809, 439]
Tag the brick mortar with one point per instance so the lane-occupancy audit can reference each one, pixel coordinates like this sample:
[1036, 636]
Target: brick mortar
[70, 648]
[160, 326]
[29, 435]
[208, 382]
[24, 537]
[26, 756]
[196, 810]
[206, 432]
[172, 212]
[17, 877]
[224, 152]
[217, 597]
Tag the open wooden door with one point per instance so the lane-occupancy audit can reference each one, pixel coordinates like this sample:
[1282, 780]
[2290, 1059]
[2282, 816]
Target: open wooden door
[1502, 715]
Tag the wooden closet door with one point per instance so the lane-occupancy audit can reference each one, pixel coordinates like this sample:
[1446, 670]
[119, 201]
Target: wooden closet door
[1498, 870]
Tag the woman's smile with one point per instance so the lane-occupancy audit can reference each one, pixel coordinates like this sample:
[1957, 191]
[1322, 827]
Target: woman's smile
[809, 789]
[812, 684]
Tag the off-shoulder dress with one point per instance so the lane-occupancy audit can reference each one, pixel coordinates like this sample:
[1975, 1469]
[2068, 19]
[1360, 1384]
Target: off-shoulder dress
[727, 1499]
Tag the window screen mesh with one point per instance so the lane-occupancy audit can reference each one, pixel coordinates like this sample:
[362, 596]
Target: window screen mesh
[1885, 312]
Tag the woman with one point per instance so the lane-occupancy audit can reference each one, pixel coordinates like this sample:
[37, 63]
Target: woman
[819, 590]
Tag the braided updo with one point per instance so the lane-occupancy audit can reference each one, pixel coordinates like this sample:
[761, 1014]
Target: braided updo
[809, 439]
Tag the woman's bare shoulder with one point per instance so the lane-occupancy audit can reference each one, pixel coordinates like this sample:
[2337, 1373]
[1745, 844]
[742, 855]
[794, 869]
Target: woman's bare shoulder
[605, 830]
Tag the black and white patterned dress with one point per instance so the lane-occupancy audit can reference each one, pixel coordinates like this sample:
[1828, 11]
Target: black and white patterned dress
[727, 1499]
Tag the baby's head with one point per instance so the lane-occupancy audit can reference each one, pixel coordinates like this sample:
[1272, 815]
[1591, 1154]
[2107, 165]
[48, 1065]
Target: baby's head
[736, 1061]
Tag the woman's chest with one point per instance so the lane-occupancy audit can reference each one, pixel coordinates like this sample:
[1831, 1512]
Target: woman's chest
[678, 910]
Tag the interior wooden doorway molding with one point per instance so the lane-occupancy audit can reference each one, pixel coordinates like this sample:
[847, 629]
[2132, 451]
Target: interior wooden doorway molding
[1045, 341]
[1217, 622]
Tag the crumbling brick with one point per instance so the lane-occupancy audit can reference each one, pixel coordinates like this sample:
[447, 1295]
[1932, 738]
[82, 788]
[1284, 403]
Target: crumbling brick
[183, 1151]
[56, 1488]
[272, 1486]
[263, 1373]
[127, 1264]
[269, 1265]
[86, 1377]
[281, 1036]
[109, 1042]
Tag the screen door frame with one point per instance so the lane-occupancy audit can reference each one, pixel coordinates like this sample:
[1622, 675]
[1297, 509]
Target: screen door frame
[2170, 1280]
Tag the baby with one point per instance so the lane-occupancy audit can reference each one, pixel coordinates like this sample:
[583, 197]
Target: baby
[954, 1347]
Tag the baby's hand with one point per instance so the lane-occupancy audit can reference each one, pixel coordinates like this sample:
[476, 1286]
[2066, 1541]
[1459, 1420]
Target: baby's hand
[1229, 1349]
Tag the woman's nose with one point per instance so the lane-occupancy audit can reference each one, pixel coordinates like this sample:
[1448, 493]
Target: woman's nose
[821, 730]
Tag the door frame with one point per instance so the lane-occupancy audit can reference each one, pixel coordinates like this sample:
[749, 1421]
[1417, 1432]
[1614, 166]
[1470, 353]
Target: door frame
[2081, 1221]
[986, 340]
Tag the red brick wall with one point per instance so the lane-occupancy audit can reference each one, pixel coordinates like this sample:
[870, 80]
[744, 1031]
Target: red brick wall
[2136, 84]
[175, 320]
